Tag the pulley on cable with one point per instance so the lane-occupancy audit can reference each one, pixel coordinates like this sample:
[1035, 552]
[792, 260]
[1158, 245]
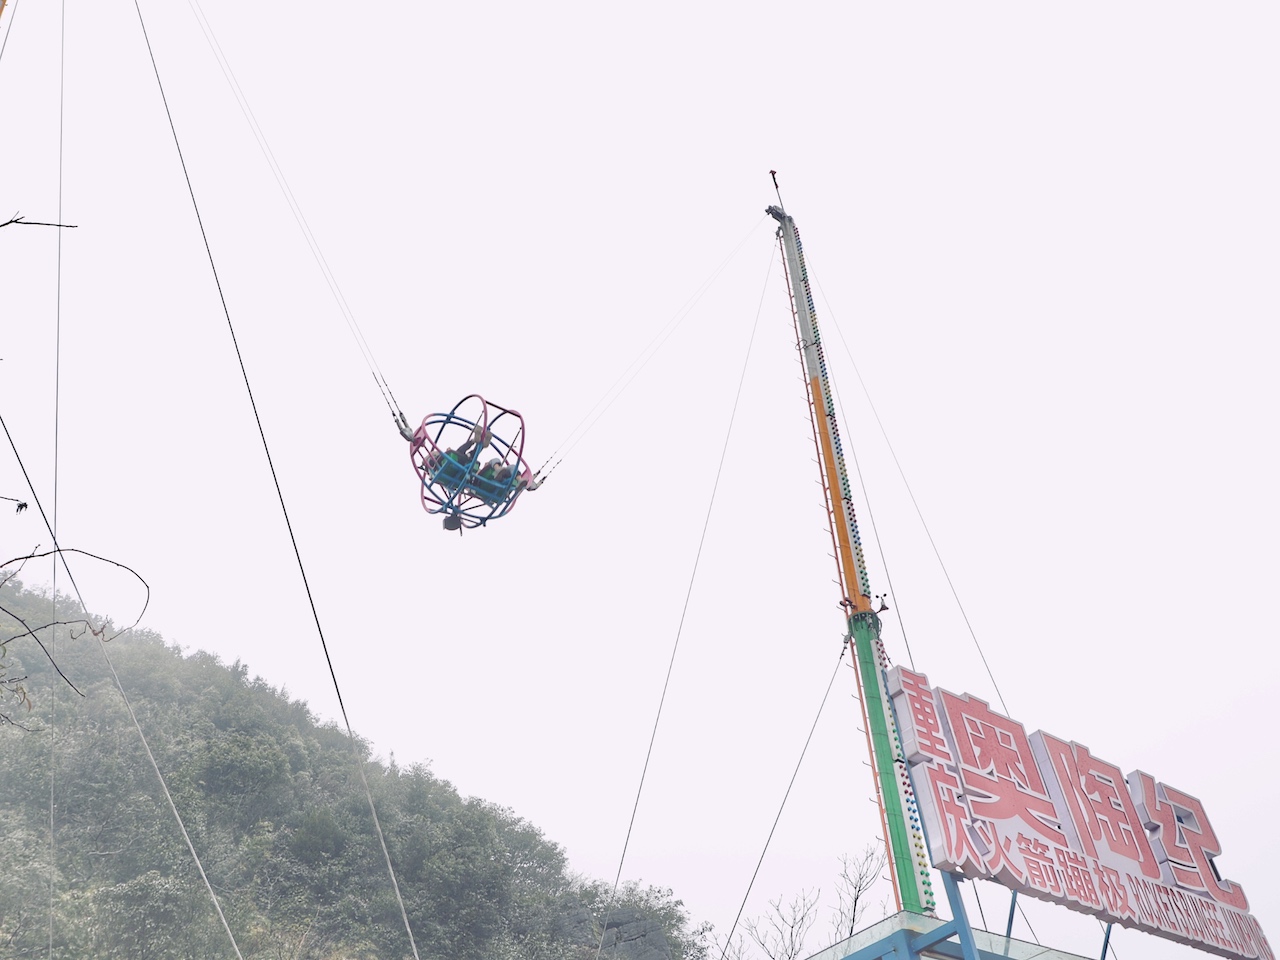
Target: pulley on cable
[448, 452]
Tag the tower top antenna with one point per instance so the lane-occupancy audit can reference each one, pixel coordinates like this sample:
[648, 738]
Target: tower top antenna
[774, 174]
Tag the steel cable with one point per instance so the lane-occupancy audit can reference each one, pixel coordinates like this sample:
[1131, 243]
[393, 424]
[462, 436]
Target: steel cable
[791, 783]
[404, 915]
[57, 409]
[666, 683]
[294, 207]
[12, 13]
[173, 808]
[642, 359]
[919, 513]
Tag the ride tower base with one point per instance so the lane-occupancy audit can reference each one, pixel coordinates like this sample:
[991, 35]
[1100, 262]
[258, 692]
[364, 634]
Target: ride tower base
[909, 936]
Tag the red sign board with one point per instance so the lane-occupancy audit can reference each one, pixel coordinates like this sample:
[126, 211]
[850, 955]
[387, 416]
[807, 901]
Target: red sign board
[1047, 818]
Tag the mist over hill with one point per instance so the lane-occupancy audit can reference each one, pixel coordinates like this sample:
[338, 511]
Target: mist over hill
[274, 806]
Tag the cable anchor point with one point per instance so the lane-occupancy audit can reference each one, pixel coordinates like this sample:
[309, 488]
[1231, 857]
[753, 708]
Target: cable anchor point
[402, 424]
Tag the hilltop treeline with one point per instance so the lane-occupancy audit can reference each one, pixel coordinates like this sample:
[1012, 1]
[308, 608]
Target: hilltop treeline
[273, 804]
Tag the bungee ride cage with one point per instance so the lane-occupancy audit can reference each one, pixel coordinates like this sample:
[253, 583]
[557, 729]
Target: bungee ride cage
[470, 462]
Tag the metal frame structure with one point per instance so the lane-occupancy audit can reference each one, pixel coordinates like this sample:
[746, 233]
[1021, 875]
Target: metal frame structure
[908, 936]
[902, 946]
[916, 932]
[900, 820]
[456, 487]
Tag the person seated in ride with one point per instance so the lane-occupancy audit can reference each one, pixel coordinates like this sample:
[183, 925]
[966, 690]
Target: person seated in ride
[480, 438]
[497, 471]
[464, 454]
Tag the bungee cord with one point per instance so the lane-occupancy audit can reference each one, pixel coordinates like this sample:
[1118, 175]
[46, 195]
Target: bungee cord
[294, 207]
[675, 647]
[642, 359]
[596, 411]
[404, 915]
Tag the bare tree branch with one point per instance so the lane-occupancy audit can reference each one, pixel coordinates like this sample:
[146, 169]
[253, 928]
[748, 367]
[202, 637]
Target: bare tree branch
[18, 220]
[115, 563]
[15, 686]
[32, 634]
[732, 950]
[857, 877]
[13, 573]
[782, 934]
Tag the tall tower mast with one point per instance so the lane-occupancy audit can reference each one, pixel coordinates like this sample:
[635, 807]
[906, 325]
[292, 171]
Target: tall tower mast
[900, 819]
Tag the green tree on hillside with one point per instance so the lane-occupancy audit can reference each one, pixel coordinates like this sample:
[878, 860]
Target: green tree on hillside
[273, 803]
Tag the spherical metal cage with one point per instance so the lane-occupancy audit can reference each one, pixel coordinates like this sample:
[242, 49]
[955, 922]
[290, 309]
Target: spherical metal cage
[471, 462]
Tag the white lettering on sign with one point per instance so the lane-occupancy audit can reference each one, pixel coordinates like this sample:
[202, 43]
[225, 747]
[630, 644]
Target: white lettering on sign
[1047, 818]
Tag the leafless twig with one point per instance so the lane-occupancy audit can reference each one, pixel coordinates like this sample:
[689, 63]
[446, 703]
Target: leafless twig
[93, 556]
[98, 632]
[857, 877]
[34, 636]
[781, 935]
[20, 221]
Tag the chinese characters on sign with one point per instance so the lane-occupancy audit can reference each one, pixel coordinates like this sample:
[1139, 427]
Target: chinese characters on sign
[1049, 819]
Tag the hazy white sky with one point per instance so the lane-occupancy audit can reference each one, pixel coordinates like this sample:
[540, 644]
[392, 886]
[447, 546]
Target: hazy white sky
[1048, 235]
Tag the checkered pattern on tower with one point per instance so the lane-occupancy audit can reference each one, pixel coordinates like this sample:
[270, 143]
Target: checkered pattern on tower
[919, 855]
[864, 584]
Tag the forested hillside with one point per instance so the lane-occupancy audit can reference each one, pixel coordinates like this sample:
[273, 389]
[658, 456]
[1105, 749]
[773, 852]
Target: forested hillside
[274, 806]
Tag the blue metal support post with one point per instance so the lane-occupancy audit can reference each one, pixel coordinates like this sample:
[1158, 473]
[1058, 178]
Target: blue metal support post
[958, 927]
